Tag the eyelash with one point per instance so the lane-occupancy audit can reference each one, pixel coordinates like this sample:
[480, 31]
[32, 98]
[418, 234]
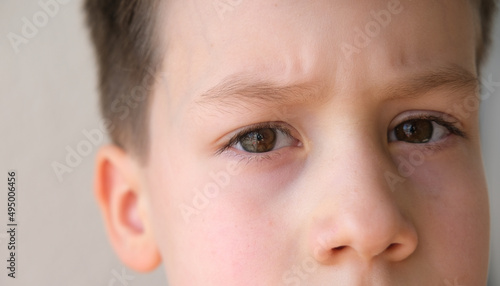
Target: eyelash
[236, 138]
[439, 119]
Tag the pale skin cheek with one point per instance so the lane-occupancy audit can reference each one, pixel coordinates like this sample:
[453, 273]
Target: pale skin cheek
[452, 217]
[236, 236]
[243, 249]
[238, 229]
[228, 225]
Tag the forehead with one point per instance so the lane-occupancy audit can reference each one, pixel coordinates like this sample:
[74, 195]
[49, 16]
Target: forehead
[303, 41]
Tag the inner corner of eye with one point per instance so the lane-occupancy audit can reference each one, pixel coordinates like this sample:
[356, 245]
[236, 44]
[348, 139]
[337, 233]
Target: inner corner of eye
[391, 135]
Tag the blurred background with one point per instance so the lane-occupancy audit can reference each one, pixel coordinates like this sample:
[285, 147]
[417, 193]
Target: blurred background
[48, 106]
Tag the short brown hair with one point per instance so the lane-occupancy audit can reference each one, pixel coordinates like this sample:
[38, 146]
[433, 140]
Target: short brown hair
[487, 10]
[127, 46]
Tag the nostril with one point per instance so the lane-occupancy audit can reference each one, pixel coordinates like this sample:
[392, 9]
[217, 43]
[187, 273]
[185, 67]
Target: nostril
[393, 246]
[338, 248]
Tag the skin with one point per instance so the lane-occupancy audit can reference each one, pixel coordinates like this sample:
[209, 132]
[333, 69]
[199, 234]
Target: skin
[339, 204]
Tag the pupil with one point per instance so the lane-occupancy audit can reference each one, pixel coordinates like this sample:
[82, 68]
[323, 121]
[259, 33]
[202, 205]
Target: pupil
[415, 131]
[259, 141]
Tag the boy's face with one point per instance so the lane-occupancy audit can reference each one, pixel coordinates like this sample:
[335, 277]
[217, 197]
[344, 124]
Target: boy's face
[358, 158]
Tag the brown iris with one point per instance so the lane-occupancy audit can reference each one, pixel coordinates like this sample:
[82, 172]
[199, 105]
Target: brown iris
[414, 131]
[259, 140]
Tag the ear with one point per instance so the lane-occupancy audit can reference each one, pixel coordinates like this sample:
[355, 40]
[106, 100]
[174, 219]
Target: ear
[121, 197]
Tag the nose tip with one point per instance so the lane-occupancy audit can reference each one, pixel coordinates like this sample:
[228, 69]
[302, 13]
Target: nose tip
[393, 240]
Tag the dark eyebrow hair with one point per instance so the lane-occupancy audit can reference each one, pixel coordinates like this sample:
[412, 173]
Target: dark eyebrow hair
[237, 89]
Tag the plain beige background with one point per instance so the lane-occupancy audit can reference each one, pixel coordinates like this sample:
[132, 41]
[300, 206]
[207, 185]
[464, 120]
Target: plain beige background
[48, 102]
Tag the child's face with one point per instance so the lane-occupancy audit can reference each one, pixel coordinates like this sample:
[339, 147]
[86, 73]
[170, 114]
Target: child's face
[366, 166]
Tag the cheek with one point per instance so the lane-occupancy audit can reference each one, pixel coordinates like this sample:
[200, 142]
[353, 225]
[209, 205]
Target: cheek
[451, 213]
[234, 249]
[223, 212]
[239, 229]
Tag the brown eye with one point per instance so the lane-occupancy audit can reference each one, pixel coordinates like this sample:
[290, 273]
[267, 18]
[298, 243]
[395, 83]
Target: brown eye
[259, 140]
[414, 131]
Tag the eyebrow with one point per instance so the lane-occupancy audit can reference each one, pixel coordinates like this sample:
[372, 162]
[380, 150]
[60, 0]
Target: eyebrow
[237, 90]
[451, 78]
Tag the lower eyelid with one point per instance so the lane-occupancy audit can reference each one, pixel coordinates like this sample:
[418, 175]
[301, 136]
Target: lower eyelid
[428, 148]
[243, 156]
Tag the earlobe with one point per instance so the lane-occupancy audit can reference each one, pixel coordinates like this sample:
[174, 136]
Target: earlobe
[122, 201]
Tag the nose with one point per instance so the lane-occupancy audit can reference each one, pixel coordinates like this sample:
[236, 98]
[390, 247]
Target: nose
[366, 233]
[359, 216]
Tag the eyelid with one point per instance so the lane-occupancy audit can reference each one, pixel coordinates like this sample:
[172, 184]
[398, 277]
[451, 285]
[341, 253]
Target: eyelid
[439, 117]
[443, 119]
[280, 126]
